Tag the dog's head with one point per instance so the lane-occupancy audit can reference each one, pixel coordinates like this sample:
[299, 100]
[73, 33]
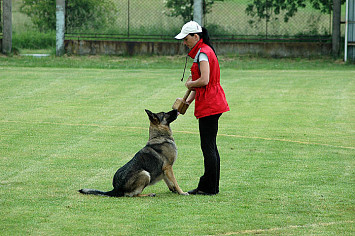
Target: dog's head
[159, 124]
[162, 118]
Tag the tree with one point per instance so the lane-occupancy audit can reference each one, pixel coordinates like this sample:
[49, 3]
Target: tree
[0, 17]
[336, 28]
[264, 9]
[90, 13]
[184, 8]
[41, 12]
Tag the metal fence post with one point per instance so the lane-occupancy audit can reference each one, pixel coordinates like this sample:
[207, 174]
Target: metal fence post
[198, 11]
[7, 29]
[349, 53]
[60, 26]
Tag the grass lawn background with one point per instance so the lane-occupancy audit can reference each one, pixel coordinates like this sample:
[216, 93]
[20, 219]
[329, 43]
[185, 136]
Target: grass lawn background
[287, 147]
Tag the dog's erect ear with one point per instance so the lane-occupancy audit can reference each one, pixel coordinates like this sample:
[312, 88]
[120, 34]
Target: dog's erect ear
[152, 117]
[173, 114]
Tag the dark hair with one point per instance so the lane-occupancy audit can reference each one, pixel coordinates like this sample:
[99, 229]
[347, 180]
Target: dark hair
[205, 38]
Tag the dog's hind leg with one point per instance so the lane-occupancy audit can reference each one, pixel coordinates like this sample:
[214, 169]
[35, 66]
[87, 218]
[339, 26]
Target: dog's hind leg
[134, 186]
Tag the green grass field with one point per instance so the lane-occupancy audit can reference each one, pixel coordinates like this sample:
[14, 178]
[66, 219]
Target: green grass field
[287, 147]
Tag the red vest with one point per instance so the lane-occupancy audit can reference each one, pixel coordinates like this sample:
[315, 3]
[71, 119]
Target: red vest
[210, 99]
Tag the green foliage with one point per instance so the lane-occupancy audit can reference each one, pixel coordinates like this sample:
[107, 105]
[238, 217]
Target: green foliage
[184, 8]
[325, 6]
[41, 12]
[94, 13]
[180, 8]
[34, 40]
[90, 15]
[265, 9]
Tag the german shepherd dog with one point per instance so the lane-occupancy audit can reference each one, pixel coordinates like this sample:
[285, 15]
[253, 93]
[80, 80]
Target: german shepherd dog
[151, 164]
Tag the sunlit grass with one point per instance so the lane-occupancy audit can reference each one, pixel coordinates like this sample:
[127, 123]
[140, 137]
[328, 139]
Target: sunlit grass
[287, 147]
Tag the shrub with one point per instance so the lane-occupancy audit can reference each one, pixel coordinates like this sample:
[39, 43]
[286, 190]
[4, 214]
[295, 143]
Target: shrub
[34, 40]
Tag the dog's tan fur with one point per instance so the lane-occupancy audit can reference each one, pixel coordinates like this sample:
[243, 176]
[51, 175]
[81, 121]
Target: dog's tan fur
[151, 164]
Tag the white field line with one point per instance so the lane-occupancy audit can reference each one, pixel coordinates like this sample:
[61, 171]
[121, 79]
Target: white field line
[260, 231]
[179, 131]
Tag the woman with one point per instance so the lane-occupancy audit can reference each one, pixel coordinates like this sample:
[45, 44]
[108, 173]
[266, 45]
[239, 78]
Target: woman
[210, 101]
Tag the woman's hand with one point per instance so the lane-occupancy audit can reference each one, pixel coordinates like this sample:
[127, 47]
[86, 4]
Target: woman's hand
[189, 83]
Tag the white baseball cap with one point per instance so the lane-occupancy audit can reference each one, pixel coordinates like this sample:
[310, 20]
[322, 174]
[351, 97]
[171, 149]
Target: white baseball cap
[189, 28]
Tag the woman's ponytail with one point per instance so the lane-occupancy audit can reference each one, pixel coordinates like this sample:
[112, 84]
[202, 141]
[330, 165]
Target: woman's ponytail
[206, 38]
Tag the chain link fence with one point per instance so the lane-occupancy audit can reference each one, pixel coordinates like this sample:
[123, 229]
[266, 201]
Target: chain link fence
[227, 20]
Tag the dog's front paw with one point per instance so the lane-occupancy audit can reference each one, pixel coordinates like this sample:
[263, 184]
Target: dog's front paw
[183, 193]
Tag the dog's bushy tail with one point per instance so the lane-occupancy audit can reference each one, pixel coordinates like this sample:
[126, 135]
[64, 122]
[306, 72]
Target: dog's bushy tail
[111, 193]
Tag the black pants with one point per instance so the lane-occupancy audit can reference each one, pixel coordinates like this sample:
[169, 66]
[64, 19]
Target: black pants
[208, 126]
